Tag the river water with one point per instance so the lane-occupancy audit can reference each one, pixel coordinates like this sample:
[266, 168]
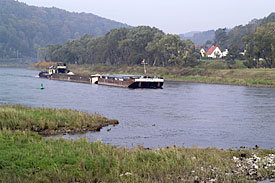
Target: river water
[189, 114]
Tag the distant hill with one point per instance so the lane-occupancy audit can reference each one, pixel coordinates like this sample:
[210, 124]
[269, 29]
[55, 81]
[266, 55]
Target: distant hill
[234, 36]
[188, 35]
[24, 29]
[199, 38]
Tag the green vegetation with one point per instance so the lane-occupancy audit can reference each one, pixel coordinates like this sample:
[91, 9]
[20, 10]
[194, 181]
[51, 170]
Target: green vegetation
[216, 72]
[24, 29]
[225, 38]
[208, 72]
[250, 37]
[126, 47]
[50, 121]
[27, 157]
[260, 47]
[130, 46]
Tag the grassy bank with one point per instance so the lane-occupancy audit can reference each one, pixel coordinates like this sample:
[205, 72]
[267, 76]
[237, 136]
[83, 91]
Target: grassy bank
[211, 73]
[207, 72]
[27, 157]
[244, 77]
[50, 121]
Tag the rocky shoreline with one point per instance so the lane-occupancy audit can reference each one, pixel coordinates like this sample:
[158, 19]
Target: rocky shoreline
[251, 166]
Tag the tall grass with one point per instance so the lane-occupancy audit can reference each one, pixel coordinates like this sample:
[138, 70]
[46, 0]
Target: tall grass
[27, 157]
[50, 121]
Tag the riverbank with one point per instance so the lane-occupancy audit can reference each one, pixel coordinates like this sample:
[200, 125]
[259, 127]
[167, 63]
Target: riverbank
[240, 76]
[46, 121]
[28, 157]
[25, 156]
[215, 72]
[17, 62]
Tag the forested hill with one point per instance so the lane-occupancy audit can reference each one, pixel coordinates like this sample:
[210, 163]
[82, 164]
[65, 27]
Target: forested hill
[24, 29]
[234, 37]
[225, 38]
[199, 38]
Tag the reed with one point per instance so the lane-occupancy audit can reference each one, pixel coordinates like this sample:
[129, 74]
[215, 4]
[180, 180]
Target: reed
[48, 121]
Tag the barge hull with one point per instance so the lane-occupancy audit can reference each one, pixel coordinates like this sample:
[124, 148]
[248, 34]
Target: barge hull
[146, 85]
[73, 78]
[131, 83]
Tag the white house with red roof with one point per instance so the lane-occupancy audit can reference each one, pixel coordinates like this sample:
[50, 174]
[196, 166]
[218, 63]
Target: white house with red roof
[214, 52]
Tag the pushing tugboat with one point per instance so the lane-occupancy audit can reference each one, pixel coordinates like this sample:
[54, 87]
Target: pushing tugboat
[60, 72]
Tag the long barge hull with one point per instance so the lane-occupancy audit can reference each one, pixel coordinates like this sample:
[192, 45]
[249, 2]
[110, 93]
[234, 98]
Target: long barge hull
[79, 78]
[87, 78]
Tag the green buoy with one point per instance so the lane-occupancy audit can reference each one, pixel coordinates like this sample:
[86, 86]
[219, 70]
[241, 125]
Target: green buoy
[41, 86]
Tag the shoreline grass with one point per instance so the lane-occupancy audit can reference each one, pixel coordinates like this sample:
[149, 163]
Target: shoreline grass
[238, 76]
[28, 157]
[215, 72]
[48, 121]
[25, 156]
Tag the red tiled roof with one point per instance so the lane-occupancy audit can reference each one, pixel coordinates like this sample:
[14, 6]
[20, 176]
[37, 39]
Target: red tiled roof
[197, 46]
[210, 51]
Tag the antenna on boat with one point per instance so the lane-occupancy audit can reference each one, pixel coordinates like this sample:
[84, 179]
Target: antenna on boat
[143, 62]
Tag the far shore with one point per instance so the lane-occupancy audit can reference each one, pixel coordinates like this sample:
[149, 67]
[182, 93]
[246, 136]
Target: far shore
[240, 76]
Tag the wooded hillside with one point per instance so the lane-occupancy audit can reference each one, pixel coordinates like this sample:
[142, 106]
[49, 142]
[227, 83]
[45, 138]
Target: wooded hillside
[24, 29]
[234, 38]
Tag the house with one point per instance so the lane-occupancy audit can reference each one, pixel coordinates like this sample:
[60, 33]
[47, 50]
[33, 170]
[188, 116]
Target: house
[214, 52]
[197, 46]
[203, 52]
[224, 53]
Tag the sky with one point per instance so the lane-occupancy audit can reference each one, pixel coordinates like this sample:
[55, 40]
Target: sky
[171, 16]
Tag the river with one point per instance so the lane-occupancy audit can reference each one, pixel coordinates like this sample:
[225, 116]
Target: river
[188, 114]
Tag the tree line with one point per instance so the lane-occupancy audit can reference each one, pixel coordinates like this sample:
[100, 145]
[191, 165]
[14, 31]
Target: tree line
[125, 46]
[250, 39]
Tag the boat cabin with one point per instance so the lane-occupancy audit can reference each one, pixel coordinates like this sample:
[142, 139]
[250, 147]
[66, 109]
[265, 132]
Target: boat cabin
[58, 69]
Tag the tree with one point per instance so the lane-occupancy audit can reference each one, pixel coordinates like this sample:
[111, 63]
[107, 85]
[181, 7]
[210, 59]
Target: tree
[126, 46]
[260, 47]
[220, 38]
[233, 54]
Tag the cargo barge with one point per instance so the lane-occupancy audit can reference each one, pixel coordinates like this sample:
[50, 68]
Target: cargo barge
[60, 72]
[131, 81]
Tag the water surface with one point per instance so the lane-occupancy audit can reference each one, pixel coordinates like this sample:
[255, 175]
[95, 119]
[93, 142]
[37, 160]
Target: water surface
[206, 115]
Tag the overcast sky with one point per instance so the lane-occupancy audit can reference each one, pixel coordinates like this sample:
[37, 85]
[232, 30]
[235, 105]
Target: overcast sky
[171, 16]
